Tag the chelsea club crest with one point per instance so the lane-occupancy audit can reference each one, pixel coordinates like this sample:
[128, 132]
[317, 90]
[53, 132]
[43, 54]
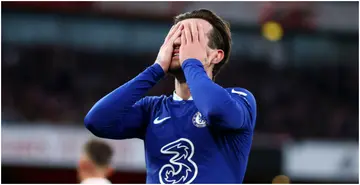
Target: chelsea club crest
[198, 120]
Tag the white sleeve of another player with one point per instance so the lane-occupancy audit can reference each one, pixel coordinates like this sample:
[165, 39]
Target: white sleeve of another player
[95, 181]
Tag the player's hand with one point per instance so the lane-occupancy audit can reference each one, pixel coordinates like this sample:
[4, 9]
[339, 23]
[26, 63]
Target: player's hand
[193, 43]
[166, 50]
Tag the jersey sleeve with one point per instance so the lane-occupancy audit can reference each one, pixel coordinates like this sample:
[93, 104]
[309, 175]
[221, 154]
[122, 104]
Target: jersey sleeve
[229, 110]
[123, 113]
[242, 110]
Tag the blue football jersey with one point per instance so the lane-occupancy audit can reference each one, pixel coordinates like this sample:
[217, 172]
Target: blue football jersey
[182, 146]
[205, 139]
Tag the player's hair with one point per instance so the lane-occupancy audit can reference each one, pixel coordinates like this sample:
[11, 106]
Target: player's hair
[99, 152]
[220, 35]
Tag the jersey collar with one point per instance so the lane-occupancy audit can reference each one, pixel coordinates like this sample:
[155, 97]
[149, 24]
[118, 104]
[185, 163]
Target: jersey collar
[178, 98]
[95, 180]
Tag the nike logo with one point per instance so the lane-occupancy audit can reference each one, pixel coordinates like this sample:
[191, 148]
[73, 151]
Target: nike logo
[158, 121]
[238, 92]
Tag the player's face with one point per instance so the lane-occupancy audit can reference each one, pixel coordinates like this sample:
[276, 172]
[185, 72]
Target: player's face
[175, 63]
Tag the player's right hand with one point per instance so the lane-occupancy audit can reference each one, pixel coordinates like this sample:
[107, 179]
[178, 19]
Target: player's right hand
[166, 50]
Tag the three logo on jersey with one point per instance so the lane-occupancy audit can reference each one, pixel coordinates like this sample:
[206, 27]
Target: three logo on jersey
[181, 169]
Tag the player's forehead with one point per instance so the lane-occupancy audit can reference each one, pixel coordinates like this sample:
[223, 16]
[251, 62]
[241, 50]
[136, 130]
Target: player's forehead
[205, 24]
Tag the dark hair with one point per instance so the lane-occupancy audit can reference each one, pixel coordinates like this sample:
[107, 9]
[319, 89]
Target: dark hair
[99, 152]
[220, 36]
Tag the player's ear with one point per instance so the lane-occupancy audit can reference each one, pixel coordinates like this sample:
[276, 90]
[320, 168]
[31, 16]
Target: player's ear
[216, 56]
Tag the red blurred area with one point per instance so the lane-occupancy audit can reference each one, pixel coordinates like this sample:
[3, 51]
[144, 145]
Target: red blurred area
[113, 9]
[36, 175]
[57, 5]
[291, 15]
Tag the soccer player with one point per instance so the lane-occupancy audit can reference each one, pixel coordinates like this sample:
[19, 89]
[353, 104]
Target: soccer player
[203, 132]
[94, 164]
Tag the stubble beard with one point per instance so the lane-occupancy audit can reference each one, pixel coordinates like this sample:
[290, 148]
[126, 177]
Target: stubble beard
[176, 71]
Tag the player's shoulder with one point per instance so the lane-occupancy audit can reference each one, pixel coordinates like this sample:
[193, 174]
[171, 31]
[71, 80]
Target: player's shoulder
[151, 101]
[154, 99]
[240, 91]
[243, 94]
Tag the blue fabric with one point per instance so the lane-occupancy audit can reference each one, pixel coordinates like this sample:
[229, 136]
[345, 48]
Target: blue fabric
[204, 140]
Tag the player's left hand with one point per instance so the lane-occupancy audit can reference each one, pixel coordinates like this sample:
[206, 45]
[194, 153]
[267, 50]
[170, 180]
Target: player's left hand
[193, 43]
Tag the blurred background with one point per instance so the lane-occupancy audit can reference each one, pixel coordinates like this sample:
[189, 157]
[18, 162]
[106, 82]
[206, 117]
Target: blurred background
[299, 59]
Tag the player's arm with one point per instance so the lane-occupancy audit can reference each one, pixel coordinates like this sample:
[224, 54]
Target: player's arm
[213, 101]
[233, 110]
[122, 113]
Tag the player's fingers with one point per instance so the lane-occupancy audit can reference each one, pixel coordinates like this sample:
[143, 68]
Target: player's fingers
[171, 32]
[202, 35]
[194, 32]
[183, 38]
[168, 35]
[187, 33]
[177, 33]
